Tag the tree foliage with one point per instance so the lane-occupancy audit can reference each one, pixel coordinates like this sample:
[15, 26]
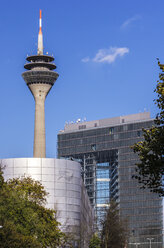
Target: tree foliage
[25, 220]
[150, 169]
[114, 231]
[95, 241]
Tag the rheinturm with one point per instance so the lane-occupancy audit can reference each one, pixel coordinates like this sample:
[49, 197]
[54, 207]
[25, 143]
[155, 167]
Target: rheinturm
[40, 78]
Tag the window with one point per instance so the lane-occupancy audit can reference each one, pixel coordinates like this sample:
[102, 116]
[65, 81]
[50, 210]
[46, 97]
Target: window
[82, 127]
[139, 133]
[93, 147]
[111, 130]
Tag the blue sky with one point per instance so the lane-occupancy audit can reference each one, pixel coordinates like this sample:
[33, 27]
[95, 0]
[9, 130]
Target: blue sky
[105, 52]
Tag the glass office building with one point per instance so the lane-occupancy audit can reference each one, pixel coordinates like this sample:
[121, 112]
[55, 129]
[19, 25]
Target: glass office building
[107, 164]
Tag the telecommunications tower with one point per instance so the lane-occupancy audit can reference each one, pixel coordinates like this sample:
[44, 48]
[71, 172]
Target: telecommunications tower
[40, 78]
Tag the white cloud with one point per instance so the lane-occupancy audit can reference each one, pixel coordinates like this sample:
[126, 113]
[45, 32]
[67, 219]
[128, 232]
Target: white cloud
[110, 55]
[129, 21]
[85, 60]
[107, 55]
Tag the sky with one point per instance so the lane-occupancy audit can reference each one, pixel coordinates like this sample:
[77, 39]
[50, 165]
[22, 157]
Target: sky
[105, 52]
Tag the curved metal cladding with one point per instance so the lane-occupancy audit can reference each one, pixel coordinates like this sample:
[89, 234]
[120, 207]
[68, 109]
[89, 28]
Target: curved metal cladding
[62, 180]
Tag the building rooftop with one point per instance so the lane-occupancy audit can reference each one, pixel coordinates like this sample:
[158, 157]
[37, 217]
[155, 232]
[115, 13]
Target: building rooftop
[81, 125]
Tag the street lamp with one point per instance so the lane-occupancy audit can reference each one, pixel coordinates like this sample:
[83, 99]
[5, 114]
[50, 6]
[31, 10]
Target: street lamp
[150, 239]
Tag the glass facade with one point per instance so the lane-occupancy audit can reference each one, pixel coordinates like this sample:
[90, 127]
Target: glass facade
[108, 164]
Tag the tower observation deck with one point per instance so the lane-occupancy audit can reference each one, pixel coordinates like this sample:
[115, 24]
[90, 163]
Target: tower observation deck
[40, 78]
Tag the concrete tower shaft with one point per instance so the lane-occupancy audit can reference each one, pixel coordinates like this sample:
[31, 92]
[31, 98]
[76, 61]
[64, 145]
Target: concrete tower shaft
[40, 78]
[39, 92]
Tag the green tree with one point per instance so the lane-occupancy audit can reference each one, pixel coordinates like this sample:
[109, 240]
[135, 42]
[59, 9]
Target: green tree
[25, 220]
[150, 169]
[114, 229]
[94, 241]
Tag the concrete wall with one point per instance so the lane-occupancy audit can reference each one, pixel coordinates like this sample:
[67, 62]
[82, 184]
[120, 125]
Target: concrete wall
[105, 122]
[67, 194]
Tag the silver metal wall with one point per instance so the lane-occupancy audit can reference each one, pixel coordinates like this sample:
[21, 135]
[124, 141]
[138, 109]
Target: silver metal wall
[62, 180]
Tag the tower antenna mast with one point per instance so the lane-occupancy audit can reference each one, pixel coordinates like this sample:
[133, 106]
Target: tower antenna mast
[40, 36]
